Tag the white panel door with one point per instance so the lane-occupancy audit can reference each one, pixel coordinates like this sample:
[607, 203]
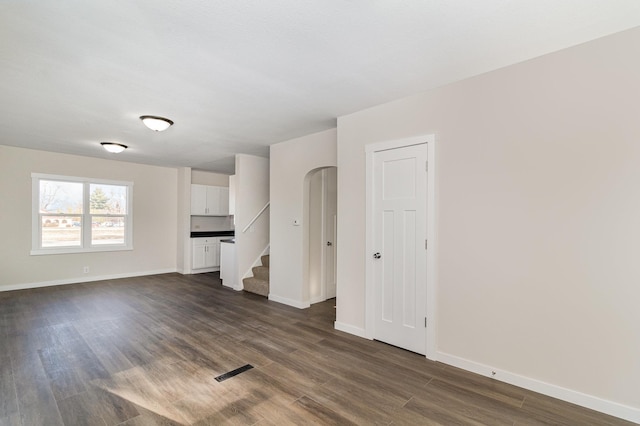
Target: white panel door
[400, 260]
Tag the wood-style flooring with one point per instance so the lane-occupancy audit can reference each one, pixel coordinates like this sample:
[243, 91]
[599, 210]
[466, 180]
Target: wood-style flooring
[146, 351]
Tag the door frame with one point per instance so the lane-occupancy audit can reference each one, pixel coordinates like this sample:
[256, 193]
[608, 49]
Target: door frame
[306, 268]
[370, 151]
[326, 220]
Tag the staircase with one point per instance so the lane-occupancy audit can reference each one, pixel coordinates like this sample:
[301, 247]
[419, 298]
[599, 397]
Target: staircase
[259, 283]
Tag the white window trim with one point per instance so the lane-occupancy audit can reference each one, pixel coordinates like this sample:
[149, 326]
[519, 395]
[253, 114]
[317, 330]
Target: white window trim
[36, 227]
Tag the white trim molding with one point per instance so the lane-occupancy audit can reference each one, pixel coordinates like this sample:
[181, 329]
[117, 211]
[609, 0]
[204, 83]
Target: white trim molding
[589, 401]
[347, 328]
[290, 302]
[25, 286]
[85, 216]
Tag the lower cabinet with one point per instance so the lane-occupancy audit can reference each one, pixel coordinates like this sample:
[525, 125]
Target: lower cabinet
[205, 254]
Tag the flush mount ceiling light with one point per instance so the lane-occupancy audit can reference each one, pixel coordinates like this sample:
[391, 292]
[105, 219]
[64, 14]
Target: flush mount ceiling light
[113, 147]
[156, 123]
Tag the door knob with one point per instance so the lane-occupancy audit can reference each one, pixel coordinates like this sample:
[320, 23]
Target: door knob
[329, 243]
[377, 255]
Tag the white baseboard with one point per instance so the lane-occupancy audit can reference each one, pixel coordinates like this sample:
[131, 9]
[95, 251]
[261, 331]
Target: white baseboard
[589, 401]
[356, 331]
[204, 270]
[316, 300]
[285, 301]
[231, 287]
[78, 280]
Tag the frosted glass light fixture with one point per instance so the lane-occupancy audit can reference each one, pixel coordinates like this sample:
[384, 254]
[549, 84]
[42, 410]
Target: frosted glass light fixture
[113, 147]
[156, 123]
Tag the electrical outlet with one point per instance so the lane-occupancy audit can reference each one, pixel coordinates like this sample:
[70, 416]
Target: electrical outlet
[85, 270]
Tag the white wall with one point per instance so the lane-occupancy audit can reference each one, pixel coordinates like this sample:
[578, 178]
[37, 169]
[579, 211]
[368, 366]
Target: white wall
[154, 220]
[537, 216]
[211, 223]
[202, 177]
[290, 163]
[184, 221]
[252, 194]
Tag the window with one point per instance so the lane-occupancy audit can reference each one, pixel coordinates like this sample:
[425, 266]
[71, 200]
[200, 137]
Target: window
[74, 215]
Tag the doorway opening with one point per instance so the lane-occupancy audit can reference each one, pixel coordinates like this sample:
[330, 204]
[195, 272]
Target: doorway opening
[320, 234]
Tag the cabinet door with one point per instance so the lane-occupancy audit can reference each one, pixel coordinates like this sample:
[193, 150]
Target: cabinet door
[209, 200]
[213, 194]
[198, 257]
[198, 200]
[210, 255]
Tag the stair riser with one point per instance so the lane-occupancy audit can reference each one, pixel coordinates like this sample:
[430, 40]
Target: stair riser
[256, 286]
[261, 272]
[259, 283]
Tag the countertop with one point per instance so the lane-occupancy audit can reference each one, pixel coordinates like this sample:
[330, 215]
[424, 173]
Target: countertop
[207, 234]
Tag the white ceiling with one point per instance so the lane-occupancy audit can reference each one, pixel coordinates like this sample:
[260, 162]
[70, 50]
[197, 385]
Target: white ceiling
[239, 75]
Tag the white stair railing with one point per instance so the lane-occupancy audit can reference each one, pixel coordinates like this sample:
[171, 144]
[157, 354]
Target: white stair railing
[246, 228]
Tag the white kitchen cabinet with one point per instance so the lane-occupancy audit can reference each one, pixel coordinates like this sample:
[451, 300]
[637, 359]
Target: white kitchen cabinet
[205, 254]
[207, 200]
[198, 200]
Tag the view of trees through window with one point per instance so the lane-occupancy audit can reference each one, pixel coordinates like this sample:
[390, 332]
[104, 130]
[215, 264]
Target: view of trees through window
[65, 211]
[107, 206]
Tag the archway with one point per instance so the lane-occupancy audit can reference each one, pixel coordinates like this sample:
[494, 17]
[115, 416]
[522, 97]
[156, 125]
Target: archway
[320, 248]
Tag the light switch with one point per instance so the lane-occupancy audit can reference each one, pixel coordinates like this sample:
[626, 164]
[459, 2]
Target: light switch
[296, 222]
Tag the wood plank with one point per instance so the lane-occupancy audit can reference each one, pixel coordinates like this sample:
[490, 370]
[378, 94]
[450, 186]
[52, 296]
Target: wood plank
[12, 420]
[79, 410]
[32, 384]
[549, 410]
[321, 413]
[349, 406]
[40, 414]
[8, 394]
[145, 351]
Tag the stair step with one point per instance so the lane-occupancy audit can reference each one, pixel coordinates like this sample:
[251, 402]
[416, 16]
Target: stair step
[265, 260]
[261, 272]
[257, 286]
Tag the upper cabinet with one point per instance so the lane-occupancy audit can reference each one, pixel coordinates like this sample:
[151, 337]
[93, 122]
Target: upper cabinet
[209, 200]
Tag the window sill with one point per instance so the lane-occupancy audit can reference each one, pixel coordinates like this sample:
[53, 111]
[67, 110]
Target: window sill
[70, 250]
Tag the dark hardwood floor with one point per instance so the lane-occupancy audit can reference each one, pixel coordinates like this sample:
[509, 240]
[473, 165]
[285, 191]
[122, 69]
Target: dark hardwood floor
[146, 351]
